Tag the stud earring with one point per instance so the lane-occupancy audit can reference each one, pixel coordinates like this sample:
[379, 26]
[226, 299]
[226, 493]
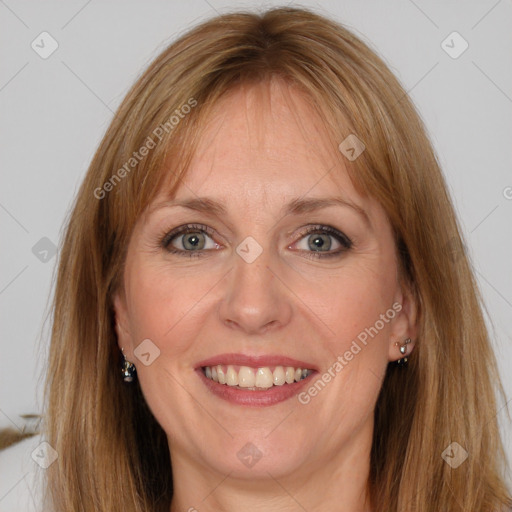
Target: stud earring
[127, 369]
[403, 350]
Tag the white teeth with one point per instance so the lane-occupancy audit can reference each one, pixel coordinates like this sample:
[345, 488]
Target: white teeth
[231, 377]
[264, 378]
[221, 375]
[246, 377]
[255, 378]
[279, 376]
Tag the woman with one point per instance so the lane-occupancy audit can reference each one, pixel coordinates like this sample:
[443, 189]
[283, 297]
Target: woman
[255, 303]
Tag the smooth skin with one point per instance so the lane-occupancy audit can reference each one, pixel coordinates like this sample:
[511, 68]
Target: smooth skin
[263, 147]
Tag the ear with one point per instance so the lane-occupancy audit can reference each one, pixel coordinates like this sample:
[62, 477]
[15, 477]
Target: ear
[121, 317]
[405, 323]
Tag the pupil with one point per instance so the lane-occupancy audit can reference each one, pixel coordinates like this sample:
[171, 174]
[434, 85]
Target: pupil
[318, 242]
[192, 241]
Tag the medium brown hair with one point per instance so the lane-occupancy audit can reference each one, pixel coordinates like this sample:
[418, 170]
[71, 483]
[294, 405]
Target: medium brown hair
[113, 455]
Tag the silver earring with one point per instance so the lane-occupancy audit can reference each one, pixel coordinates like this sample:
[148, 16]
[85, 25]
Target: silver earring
[128, 369]
[403, 351]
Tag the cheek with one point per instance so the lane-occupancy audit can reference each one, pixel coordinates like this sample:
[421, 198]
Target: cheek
[161, 303]
[360, 316]
[355, 355]
[355, 299]
[362, 340]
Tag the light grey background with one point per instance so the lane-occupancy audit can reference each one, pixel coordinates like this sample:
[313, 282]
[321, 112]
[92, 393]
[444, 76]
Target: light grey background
[55, 111]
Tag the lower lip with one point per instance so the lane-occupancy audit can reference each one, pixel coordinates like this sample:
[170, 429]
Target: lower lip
[262, 398]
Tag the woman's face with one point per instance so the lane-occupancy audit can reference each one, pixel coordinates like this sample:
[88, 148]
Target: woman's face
[270, 280]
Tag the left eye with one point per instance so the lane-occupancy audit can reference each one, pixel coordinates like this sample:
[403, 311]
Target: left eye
[319, 242]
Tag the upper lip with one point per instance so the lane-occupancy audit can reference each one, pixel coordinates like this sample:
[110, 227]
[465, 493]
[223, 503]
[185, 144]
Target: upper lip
[255, 361]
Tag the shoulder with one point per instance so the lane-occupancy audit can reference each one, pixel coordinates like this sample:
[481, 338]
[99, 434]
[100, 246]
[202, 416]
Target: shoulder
[21, 470]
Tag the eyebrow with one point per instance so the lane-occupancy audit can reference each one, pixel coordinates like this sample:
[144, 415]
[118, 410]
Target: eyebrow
[296, 206]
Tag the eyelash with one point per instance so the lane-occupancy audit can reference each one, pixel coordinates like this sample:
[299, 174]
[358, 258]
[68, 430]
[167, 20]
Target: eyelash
[168, 237]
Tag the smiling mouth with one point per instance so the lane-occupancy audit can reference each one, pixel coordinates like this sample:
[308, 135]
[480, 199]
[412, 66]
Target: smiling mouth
[255, 379]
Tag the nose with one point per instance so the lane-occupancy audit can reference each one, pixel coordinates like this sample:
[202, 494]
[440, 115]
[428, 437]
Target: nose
[255, 299]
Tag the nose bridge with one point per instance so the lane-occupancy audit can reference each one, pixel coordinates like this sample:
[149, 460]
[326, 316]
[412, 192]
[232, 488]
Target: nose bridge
[255, 299]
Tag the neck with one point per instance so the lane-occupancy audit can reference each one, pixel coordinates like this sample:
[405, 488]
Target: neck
[335, 481]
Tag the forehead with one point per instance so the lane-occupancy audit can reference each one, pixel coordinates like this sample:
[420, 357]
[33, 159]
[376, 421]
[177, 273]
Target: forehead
[263, 144]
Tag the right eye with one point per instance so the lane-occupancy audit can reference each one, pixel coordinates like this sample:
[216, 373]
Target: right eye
[190, 238]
